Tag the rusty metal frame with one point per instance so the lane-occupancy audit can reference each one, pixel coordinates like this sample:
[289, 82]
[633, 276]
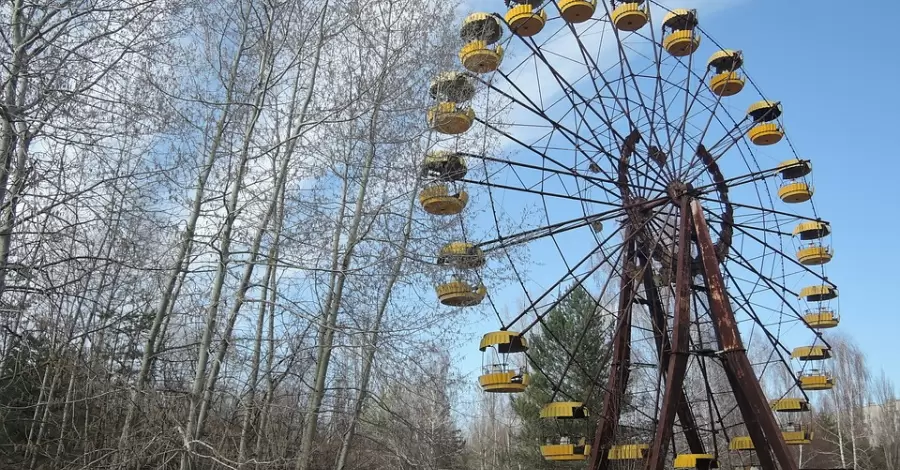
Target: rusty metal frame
[664, 349]
[678, 359]
[767, 438]
[620, 367]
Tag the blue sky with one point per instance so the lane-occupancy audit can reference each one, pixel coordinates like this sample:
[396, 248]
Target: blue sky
[829, 72]
[830, 67]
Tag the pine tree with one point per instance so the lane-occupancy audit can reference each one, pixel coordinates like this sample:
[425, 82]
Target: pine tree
[565, 323]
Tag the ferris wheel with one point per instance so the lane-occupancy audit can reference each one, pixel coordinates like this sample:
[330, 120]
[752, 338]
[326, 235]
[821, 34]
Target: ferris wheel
[654, 169]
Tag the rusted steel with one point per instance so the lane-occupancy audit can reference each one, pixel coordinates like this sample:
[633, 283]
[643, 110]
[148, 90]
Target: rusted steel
[664, 349]
[620, 368]
[681, 331]
[754, 406]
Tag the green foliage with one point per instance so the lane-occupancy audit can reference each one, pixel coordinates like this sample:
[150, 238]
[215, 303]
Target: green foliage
[565, 323]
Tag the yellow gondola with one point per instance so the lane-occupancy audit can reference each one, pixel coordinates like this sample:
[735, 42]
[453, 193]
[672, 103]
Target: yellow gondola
[815, 255]
[628, 452]
[499, 375]
[797, 192]
[822, 319]
[702, 461]
[481, 27]
[818, 293]
[577, 11]
[630, 15]
[682, 40]
[741, 443]
[790, 405]
[450, 118]
[816, 381]
[481, 57]
[768, 133]
[727, 81]
[460, 293]
[461, 255]
[524, 21]
[437, 199]
[811, 353]
[812, 230]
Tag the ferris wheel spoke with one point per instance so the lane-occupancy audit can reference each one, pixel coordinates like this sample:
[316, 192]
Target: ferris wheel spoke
[764, 209]
[513, 163]
[544, 155]
[566, 86]
[779, 252]
[777, 346]
[737, 181]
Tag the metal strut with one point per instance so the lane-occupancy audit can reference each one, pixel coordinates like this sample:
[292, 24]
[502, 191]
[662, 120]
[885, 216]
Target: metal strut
[677, 364]
[664, 350]
[620, 369]
[768, 440]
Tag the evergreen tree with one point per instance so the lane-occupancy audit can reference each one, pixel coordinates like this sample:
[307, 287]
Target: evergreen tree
[565, 323]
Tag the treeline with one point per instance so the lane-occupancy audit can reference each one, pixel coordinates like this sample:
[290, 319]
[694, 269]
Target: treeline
[211, 251]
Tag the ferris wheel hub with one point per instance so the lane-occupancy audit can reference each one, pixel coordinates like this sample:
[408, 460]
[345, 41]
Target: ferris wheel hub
[678, 189]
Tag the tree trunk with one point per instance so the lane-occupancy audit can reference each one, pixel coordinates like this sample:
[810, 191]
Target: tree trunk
[372, 347]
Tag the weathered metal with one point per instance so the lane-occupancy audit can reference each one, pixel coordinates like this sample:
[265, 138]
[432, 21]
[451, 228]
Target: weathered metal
[664, 349]
[677, 364]
[758, 417]
[620, 367]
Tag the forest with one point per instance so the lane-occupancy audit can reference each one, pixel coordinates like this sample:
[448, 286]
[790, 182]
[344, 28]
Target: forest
[212, 255]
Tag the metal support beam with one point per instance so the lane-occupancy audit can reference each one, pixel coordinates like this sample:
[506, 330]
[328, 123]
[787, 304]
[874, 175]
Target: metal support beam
[620, 368]
[664, 349]
[758, 417]
[681, 331]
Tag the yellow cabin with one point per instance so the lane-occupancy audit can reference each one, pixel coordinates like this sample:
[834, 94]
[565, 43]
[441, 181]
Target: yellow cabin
[812, 230]
[480, 57]
[460, 293]
[726, 81]
[741, 443]
[452, 86]
[768, 133]
[564, 410]
[682, 39]
[815, 255]
[701, 461]
[795, 193]
[450, 118]
[577, 11]
[628, 452]
[438, 200]
[811, 353]
[445, 166]
[524, 21]
[818, 293]
[822, 319]
[503, 362]
[481, 27]
[461, 255]
[564, 450]
[797, 435]
[764, 111]
[816, 381]
[790, 405]
[630, 15]
[794, 169]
